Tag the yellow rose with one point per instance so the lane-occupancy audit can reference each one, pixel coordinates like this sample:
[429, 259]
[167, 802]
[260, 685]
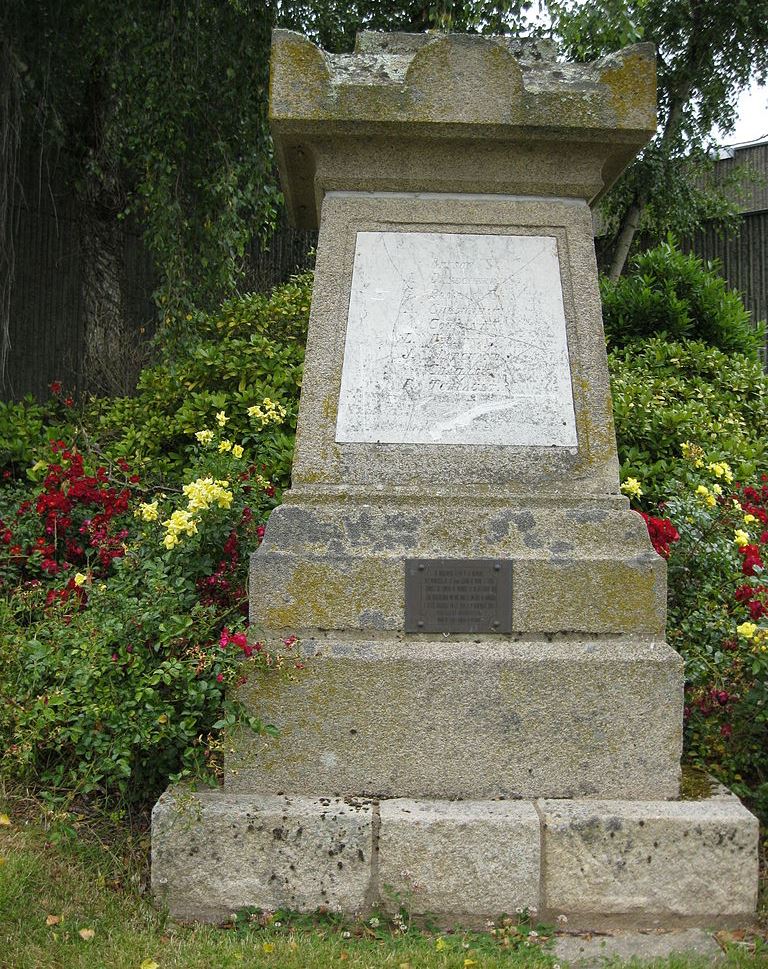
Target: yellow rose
[740, 537]
[80, 579]
[747, 630]
[632, 488]
[148, 511]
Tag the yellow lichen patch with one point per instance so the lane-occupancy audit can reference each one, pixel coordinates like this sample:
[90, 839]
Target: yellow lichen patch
[328, 598]
[299, 76]
[451, 80]
[593, 596]
[632, 84]
[330, 408]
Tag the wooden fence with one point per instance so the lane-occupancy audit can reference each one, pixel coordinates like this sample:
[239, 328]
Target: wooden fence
[47, 326]
[47, 332]
[743, 258]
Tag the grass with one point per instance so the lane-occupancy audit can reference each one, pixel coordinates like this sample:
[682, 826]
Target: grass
[59, 878]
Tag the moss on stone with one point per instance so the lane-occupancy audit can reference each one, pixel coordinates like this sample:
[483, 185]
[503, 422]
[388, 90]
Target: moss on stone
[695, 784]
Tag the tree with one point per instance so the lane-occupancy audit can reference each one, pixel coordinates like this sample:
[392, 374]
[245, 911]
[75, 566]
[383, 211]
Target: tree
[334, 23]
[707, 52]
[156, 110]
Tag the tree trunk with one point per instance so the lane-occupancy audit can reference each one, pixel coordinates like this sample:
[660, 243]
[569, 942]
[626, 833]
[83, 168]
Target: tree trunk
[107, 364]
[624, 239]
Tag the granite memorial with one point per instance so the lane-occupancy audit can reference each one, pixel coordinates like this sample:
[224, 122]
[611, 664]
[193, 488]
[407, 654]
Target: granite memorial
[488, 710]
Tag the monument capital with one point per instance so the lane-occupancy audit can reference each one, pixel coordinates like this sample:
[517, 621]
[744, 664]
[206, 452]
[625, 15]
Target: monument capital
[453, 113]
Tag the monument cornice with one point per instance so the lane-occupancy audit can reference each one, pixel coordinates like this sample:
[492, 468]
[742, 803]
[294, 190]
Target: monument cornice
[421, 101]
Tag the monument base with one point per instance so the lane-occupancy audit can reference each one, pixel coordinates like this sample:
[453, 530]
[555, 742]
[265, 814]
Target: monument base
[602, 864]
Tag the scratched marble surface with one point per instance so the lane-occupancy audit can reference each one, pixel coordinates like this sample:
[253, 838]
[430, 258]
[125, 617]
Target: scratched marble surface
[456, 338]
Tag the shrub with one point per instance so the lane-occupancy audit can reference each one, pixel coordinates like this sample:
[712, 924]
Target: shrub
[670, 294]
[665, 394]
[26, 426]
[124, 618]
[250, 349]
[121, 571]
[714, 532]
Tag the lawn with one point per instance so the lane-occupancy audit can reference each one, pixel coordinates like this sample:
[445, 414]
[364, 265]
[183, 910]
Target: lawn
[72, 896]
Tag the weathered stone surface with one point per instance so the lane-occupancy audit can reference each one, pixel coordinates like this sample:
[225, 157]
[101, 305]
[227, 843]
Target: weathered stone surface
[453, 113]
[460, 858]
[213, 854]
[556, 594]
[456, 338]
[650, 863]
[471, 719]
[587, 951]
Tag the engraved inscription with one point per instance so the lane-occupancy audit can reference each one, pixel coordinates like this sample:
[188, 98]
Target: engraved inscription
[458, 595]
[456, 338]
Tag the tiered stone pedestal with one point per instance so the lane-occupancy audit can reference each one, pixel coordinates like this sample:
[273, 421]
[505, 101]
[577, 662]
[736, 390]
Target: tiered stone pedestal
[471, 773]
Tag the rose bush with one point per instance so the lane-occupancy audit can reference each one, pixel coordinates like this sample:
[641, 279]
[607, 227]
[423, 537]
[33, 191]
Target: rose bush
[125, 618]
[125, 527]
[714, 532]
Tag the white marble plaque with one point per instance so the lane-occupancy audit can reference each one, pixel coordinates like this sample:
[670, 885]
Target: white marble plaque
[455, 338]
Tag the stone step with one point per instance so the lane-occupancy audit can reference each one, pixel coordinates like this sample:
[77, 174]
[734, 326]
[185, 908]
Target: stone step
[476, 718]
[592, 865]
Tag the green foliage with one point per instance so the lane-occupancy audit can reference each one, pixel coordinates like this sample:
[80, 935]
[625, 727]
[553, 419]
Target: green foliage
[718, 621]
[668, 393]
[159, 110]
[678, 296]
[118, 647]
[706, 53]
[249, 349]
[334, 23]
[24, 427]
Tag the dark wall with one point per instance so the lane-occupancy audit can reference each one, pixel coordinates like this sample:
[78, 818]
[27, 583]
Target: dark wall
[46, 331]
[46, 325]
[743, 258]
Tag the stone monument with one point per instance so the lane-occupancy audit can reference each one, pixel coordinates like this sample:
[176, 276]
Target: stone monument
[489, 717]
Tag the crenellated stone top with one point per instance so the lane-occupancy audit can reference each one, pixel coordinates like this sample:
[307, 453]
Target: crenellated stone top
[450, 88]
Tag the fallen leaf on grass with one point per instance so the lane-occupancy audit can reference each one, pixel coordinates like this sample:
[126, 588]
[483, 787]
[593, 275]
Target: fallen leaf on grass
[52, 919]
[5, 821]
[86, 934]
[739, 939]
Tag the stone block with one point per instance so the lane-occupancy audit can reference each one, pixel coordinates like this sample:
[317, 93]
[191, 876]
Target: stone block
[461, 718]
[636, 863]
[466, 859]
[213, 853]
[366, 472]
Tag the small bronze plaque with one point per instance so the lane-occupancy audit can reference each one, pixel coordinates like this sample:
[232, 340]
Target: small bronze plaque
[458, 596]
